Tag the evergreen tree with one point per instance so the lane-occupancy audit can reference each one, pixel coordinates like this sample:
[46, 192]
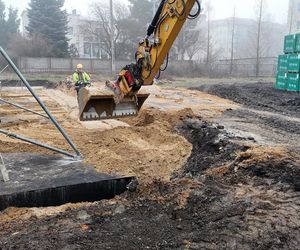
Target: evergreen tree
[9, 26]
[49, 21]
[13, 22]
[2, 12]
[2, 24]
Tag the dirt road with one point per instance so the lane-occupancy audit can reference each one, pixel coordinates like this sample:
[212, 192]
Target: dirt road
[211, 177]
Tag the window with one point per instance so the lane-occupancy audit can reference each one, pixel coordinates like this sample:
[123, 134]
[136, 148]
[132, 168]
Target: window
[87, 49]
[298, 25]
[299, 7]
[88, 38]
[96, 50]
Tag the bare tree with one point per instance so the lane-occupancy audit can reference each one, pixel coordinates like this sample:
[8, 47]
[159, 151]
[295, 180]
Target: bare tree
[232, 40]
[262, 37]
[112, 39]
[188, 41]
[210, 43]
[195, 43]
[100, 30]
[258, 45]
[291, 11]
[34, 46]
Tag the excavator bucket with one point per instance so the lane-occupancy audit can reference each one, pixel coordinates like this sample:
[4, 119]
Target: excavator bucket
[97, 103]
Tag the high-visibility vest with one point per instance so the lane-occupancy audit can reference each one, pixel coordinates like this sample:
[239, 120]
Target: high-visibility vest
[81, 77]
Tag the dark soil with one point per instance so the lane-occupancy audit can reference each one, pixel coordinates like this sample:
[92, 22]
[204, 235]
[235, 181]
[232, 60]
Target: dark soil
[248, 206]
[212, 146]
[270, 122]
[262, 96]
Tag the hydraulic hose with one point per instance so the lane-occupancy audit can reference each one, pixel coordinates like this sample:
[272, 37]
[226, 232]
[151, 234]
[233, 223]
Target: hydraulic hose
[155, 20]
[194, 16]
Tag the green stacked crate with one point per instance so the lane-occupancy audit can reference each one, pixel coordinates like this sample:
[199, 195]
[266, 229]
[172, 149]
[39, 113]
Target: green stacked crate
[293, 82]
[293, 63]
[281, 80]
[282, 63]
[289, 44]
[288, 69]
[297, 43]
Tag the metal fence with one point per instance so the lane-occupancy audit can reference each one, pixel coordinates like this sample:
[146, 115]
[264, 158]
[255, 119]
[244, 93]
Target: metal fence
[57, 65]
[246, 67]
[240, 67]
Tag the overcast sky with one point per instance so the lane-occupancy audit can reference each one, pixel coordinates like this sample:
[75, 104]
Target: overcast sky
[277, 9]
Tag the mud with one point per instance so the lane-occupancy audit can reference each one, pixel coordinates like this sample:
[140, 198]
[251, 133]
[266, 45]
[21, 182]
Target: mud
[261, 96]
[268, 115]
[201, 186]
[212, 145]
[271, 122]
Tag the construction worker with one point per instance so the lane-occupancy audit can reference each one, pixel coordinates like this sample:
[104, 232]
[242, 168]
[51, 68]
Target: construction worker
[80, 78]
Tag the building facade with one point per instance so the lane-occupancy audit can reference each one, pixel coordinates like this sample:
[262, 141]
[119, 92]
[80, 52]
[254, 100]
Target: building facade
[82, 43]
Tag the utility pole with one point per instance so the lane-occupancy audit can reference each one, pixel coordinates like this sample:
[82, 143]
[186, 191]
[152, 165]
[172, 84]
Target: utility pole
[232, 39]
[112, 39]
[258, 39]
[208, 34]
[291, 11]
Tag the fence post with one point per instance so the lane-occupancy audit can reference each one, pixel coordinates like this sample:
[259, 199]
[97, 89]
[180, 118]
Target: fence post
[20, 63]
[92, 66]
[49, 64]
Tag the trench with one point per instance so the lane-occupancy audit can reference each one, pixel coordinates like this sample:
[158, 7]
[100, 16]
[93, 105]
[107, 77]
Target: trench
[42, 181]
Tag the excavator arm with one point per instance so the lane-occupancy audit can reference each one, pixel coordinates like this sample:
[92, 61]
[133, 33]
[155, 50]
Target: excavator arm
[124, 97]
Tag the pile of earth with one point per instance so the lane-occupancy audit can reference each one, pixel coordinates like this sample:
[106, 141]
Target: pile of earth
[247, 198]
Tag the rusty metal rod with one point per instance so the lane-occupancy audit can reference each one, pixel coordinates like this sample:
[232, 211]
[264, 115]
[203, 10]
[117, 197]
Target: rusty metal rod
[22, 138]
[51, 117]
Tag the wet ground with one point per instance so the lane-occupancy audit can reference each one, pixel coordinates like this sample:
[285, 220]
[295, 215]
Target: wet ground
[238, 187]
[260, 95]
[270, 116]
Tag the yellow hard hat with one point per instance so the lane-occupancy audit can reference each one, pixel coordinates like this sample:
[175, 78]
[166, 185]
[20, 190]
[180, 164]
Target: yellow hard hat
[79, 66]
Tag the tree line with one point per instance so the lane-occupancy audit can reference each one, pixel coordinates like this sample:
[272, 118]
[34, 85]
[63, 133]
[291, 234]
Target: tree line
[46, 33]
[48, 28]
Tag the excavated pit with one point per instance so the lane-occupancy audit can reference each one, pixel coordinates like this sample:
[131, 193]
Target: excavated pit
[41, 181]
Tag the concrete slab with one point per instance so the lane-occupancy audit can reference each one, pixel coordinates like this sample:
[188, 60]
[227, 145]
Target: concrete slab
[43, 180]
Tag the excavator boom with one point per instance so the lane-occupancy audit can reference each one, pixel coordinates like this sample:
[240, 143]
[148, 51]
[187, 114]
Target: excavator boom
[124, 97]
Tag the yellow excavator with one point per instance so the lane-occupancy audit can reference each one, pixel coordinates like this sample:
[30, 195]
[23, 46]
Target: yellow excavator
[124, 97]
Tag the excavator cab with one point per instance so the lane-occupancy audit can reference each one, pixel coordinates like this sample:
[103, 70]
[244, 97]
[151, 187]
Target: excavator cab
[99, 103]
